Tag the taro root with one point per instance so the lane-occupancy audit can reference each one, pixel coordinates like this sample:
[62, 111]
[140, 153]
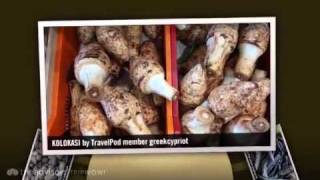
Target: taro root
[123, 110]
[87, 117]
[247, 124]
[239, 97]
[259, 75]
[91, 68]
[197, 57]
[86, 34]
[149, 51]
[221, 41]
[193, 86]
[195, 34]
[134, 37]
[148, 76]
[152, 31]
[149, 110]
[200, 121]
[253, 42]
[256, 104]
[113, 40]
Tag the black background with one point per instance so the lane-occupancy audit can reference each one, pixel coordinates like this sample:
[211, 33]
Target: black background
[297, 64]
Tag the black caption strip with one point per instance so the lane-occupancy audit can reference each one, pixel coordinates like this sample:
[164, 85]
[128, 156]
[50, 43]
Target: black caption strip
[158, 141]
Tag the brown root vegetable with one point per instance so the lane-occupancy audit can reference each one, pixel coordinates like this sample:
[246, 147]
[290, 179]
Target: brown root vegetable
[253, 42]
[113, 40]
[193, 86]
[259, 75]
[148, 76]
[195, 34]
[149, 51]
[200, 121]
[256, 104]
[134, 37]
[92, 120]
[124, 111]
[91, 68]
[239, 97]
[86, 117]
[222, 40]
[247, 124]
[149, 110]
[197, 57]
[86, 34]
[152, 31]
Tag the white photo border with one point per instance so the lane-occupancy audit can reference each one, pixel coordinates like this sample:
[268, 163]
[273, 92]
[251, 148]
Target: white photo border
[70, 23]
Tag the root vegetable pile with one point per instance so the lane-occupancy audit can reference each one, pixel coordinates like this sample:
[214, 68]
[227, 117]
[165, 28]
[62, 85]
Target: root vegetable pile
[91, 68]
[254, 40]
[120, 84]
[221, 90]
[193, 86]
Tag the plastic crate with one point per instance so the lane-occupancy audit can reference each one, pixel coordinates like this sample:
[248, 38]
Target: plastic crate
[66, 49]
